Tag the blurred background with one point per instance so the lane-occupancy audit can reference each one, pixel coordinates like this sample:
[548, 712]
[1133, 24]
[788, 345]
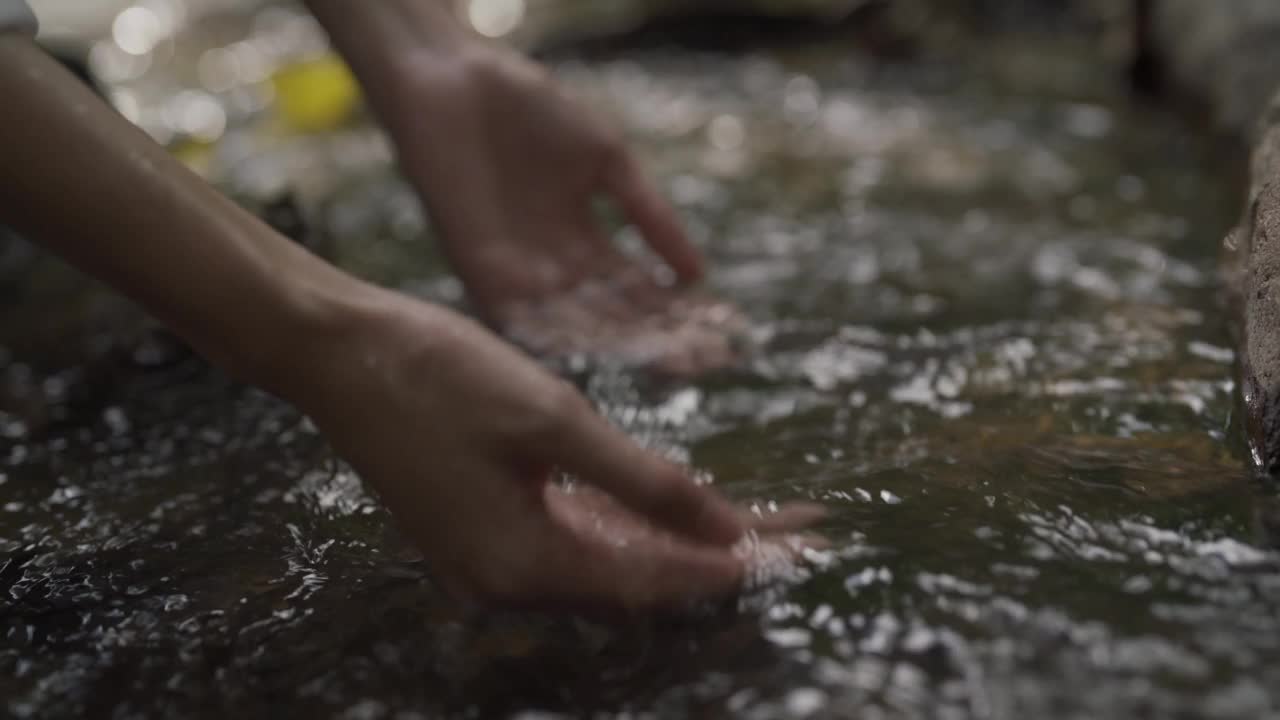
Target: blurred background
[191, 70]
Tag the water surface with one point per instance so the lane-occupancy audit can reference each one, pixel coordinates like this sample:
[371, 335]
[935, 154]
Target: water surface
[992, 345]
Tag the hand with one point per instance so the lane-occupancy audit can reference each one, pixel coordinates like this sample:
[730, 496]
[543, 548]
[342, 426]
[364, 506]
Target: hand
[461, 435]
[509, 168]
[458, 432]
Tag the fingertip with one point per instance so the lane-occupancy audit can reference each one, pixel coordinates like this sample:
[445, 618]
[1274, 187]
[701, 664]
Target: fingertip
[791, 517]
[677, 250]
[656, 220]
[686, 261]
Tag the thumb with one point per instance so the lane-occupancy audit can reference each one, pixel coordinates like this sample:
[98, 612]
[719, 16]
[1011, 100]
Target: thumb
[654, 488]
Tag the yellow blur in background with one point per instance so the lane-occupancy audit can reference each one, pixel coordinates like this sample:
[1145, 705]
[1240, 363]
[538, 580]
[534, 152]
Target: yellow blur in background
[315, 95]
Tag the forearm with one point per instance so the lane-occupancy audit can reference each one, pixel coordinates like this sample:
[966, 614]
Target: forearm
[416, 62]
[375, 37]
[82, 181]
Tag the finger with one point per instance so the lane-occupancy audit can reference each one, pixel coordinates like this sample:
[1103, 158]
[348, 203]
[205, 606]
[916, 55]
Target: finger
[690, 350]
[605, 557]
[790, 518]
[660, 575]
[768, 559]
[656, 489]
[710, 348]
[653, 216]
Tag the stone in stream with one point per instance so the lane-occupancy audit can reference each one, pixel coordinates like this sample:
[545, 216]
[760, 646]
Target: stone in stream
[1255, 264]
[1227, 55]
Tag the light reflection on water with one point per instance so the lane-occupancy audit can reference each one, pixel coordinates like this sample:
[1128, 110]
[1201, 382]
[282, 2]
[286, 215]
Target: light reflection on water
[991, 346]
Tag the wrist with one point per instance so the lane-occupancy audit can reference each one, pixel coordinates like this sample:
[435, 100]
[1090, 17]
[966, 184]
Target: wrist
[305, 311]
[343, 339]
[375, 38]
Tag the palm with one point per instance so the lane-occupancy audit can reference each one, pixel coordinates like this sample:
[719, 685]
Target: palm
[512, 185]
[461, 434]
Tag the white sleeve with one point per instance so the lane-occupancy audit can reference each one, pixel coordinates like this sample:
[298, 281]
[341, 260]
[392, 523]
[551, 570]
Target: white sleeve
[15, 16]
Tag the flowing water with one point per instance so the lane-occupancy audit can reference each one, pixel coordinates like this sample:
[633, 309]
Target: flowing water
[992, 345]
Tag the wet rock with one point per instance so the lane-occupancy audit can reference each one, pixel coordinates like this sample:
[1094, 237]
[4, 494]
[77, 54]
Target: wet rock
[1228, 55]
[1256, 260]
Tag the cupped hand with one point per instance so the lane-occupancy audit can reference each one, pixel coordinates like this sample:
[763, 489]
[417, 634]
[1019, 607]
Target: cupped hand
[511, 170]
[462, 436]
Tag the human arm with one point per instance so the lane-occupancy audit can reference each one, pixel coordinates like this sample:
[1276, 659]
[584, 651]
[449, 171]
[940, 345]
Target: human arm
[457, 432]
[510, 169]
[97, 191]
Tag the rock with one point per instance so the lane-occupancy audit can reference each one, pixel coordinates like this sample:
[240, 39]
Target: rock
[1227, 55]
[1256, 265]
